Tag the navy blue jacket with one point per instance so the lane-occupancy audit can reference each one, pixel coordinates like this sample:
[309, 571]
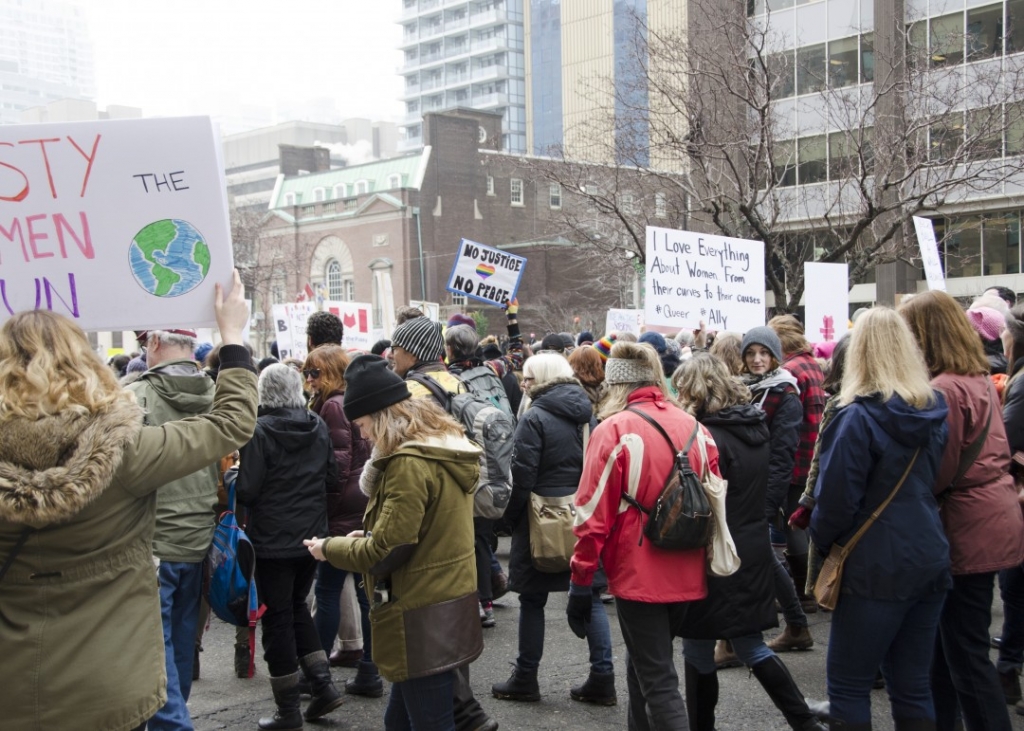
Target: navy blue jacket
[863, 453]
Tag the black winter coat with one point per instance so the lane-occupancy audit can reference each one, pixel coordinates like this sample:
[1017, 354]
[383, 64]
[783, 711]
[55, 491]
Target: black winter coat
[743, 603]
[1013, 409]
[283, 474]
[547, 459]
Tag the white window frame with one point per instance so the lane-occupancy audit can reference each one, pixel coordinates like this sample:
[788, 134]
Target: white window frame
[458, 300]
[362, 187]
[348, 290]
[333, 279]
[628, 203]
[660, 204]
[319, 195]
[555, 196]
[340, 190]
[490, 185]
[394, 181]
[516, 188]
[289, 199]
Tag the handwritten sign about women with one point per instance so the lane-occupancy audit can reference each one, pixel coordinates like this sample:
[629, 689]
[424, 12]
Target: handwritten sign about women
[486, 273]
[694, 276]
[117, 224]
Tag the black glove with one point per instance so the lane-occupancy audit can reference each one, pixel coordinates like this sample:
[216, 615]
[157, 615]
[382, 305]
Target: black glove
[577, 611]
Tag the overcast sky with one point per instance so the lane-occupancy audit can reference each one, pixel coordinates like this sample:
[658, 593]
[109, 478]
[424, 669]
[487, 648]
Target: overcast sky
[199, 56]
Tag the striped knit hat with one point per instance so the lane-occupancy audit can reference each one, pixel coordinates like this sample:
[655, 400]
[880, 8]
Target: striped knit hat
[604, 346]
[420, 336]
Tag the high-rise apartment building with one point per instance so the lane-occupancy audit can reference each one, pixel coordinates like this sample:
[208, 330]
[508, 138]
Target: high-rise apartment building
[464, 53]
[45, 55]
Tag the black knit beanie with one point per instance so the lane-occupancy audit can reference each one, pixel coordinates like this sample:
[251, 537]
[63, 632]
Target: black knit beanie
[371, 387]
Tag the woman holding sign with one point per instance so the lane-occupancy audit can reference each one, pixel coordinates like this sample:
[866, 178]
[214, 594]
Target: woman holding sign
[79, 611]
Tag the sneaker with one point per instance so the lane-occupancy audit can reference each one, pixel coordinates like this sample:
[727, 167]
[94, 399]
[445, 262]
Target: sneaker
[487, 616]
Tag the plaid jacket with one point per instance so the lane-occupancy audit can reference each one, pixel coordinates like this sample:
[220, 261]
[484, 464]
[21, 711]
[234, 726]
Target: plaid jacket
[812, 396]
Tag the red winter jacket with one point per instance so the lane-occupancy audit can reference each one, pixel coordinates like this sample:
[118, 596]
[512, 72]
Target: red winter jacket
[980, 513]
[626, 453]
[345, 501]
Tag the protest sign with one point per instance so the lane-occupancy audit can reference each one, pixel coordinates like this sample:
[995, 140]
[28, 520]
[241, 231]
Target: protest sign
[431, 309]
[929, 253]
[357, 317]
[290, 328]
[826, 301]
[485, 273]
[117, 224]
[630, 321]
[694, 276]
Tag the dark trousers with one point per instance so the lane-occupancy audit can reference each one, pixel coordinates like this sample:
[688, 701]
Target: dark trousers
[962, 673]
[421, 704]
[899, 636]
[655, 703]
[1011, 590]
[329, 583]
[469, 714]
[288, 631]
[483, 532]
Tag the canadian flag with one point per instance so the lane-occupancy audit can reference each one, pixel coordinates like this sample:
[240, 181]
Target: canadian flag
[306, 295]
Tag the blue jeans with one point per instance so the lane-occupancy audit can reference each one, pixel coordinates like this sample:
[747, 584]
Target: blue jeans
[899, 636]
[963, 676]
[786, 593]
[329, 582]
[748, 648]
[181, 588]
[422, 704]
[531, 633]
[1011, 589]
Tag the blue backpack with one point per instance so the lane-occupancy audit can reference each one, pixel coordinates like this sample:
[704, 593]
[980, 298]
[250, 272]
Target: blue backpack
[231, 565]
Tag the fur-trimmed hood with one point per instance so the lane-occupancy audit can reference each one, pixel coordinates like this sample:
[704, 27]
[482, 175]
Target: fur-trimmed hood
[563, 397]
[52, 468]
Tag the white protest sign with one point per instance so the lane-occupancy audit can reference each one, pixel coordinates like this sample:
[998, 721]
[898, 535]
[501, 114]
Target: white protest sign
[357, 319]
[929, 253]
[630, 321]
[431, 309]
[695, 276]
[290, 328]
[826, 301]
[485, 273]
[117, 224]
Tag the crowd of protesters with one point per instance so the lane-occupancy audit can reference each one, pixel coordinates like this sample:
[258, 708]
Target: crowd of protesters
[360, 483]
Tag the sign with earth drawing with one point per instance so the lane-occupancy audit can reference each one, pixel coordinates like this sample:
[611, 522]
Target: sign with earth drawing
[485, 273]
[116, 224]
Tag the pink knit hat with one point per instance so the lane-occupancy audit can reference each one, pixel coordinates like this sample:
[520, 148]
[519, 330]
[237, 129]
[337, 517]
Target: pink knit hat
[987, 322]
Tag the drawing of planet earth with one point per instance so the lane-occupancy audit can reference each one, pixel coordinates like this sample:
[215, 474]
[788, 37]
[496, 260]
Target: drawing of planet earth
[169, 258]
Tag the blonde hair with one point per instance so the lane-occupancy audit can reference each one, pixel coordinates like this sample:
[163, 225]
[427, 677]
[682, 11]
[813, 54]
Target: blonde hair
[791, 334]
[883, 360]
[727, 349]
[616, 395]
[705, 386]
[47, 366]
[410, 420]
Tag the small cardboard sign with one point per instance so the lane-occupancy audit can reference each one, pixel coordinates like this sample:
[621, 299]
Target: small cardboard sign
[116, 224]
[929, 253]
[695, 276]
[485, 273]
[826, 301]
[630, 321]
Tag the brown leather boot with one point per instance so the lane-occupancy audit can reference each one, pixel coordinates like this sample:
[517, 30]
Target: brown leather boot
[794, 637]
[724, 655]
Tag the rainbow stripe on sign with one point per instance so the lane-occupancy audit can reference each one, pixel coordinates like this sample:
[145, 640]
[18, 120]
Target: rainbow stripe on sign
[484, 270]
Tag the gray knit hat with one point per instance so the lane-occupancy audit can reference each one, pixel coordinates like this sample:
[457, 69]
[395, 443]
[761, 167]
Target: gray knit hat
[764, 336]
[420, 336]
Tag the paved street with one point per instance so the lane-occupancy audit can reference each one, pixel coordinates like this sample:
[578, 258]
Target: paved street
[221, 701]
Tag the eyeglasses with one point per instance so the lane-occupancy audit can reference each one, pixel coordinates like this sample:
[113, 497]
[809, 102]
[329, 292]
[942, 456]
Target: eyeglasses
[311, 373]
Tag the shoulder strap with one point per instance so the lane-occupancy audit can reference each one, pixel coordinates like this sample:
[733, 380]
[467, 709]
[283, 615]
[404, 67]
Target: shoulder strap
[970, 454]
[686, 449]
[9, 561]
[439, 392]
[878, 511]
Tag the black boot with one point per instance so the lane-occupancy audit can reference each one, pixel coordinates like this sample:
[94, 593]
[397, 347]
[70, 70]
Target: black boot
[521, 686]
[834, 725]
[701, 698]
[286, 696]
[598, 689]
[774, 677]
[242, 657]
[367, 681]
[195, 663]
[325, 696]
